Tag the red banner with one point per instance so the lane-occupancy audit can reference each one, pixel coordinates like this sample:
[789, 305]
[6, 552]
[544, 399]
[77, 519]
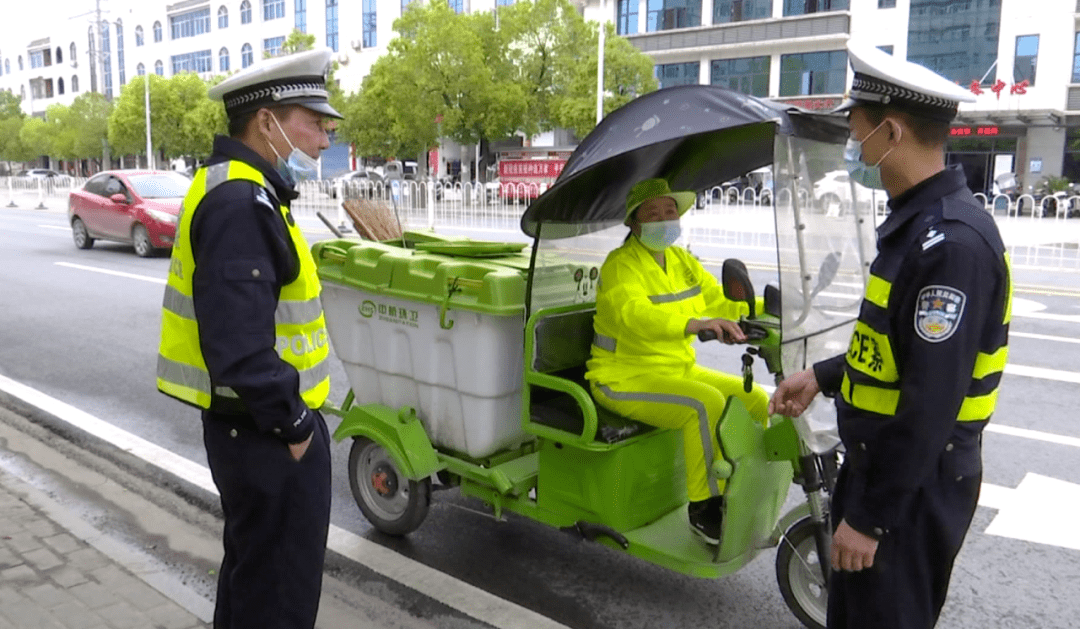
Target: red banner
[525, 169]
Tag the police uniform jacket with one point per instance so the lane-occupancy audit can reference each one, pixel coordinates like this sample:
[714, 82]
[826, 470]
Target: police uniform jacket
[920, 378]
[237, 230]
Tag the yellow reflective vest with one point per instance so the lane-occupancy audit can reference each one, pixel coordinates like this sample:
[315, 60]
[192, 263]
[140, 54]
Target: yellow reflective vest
[642, 311]
[299, 327]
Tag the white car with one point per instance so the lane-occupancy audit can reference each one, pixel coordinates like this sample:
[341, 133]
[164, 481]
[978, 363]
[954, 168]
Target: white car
[832, 194]
[356, 184]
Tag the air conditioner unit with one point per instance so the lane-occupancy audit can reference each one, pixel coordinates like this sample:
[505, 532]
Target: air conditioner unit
[356, 44]
[343, 58]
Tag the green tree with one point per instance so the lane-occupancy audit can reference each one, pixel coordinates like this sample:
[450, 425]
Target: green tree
[297, 41]
[11, 122]
[89, 113]
[183, 120]
[36, 138]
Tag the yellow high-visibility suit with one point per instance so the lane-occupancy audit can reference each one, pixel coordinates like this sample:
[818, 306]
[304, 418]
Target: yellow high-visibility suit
[643, 364]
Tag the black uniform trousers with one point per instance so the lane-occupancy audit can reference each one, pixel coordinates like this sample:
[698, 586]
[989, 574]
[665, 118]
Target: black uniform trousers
[277, 517]
[908, 583]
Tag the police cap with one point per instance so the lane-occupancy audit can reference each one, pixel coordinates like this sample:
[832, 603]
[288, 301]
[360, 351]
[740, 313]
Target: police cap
[883, 79]
[296, 79]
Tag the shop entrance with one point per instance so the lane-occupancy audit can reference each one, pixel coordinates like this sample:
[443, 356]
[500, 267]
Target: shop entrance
[982, 159]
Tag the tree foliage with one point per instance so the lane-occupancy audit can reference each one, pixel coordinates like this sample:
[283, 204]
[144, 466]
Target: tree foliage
[528, 68]
[183, 120]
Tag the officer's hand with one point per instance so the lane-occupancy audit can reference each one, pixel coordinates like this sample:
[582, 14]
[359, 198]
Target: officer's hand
[851, 550]
[794, 394]
[297, 450]
[727, 331]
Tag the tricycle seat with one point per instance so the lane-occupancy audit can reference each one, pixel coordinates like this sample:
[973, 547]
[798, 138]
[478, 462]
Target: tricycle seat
[562, 343]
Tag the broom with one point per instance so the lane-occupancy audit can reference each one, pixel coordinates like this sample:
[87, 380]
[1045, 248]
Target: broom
[373, 219]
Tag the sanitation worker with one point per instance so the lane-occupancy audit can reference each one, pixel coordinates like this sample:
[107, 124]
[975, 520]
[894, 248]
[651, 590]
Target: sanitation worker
[652, 299]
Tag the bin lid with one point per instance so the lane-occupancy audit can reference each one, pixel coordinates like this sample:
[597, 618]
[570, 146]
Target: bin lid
[463, 280]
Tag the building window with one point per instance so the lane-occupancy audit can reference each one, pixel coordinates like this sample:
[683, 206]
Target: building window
[668, 14]
[678, 74]
[626, 13]
[803, 7]
[332, 25]
[157, 32]
[457, 5]
[300, 11]
[60, 85]
[369, 24]
[272, 46]
[222, 17]
[74, 84]
[20, 61]
[198, 62]
[37, 59]
[813, 73]
[106, 61]
[223, 60]
[190, 24]
[404, 4]
[120, 52]
[60, 54]
[139, 41]
[140, 70]
[246, 58]
[749, 75]
[1027, 57]
[273, 9]
[92, 55]
[725, 11]
[886, 49]
[245, 12]
[7, 66]
[886, 4]
[1076, 60]
[1070, 165]
[958, 40]
[159, 68]
[71, 53]
[504, 3]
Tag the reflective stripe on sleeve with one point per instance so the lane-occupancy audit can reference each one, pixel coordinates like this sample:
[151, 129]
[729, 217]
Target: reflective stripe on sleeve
[978, 408]
[668, 298]
[870, 398]
[604, 342]
[877, 291]
[986, 364]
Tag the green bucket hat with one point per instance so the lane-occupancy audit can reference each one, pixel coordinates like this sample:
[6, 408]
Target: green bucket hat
[652, 188]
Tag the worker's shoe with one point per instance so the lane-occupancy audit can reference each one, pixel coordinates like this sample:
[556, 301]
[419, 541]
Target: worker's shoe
[707, 518]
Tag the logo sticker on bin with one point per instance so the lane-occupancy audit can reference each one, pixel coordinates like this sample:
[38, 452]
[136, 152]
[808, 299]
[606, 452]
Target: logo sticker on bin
[390, 314]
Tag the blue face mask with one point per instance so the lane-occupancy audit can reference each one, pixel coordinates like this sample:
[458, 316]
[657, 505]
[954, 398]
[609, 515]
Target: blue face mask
[660, 235]
[299, 166]
[860, 172]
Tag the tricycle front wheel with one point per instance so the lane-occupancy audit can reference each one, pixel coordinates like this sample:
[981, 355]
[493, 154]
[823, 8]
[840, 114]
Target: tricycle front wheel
[392, 503]
[799, 574]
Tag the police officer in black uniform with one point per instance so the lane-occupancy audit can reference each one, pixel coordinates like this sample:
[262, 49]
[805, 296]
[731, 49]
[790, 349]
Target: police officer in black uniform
[919, 381]
[243, 338]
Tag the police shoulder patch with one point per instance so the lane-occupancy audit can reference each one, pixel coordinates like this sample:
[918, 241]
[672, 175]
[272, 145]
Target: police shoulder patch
[261, 198]
[938, 311]
[932, 237]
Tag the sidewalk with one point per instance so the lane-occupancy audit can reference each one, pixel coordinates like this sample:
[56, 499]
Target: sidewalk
[51, 576]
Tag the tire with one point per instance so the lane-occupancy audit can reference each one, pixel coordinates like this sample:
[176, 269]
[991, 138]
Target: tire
[400, 505]
[80, 235]
[799, 576]
[140, 238]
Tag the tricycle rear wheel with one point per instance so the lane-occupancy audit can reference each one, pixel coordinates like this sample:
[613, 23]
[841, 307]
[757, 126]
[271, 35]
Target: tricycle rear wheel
[392, 503]
[798, 572]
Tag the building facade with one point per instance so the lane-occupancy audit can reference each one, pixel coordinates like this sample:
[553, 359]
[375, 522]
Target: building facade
[1020, 58]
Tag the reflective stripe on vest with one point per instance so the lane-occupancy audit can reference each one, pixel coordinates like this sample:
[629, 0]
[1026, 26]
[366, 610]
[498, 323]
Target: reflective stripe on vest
[299, 327]
[668, 298]
[871, 380]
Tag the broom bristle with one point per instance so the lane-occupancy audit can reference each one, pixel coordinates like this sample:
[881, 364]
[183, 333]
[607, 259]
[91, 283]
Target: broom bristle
[373, 219]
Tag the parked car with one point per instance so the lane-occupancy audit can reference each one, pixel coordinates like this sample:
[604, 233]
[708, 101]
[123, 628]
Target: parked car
[356, 184]
[46, 175]
[832, 193]
[132, 206]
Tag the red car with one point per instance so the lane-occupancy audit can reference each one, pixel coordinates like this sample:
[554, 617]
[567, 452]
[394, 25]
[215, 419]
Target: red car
[140, 207]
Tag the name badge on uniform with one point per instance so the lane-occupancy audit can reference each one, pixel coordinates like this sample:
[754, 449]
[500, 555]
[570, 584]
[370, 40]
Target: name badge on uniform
[938, 312]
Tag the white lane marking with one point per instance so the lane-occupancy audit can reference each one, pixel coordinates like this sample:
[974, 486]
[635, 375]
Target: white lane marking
[132, 276]
[1043, 337]
[1043, 373]
[1036, 435]
[55, 227]
[465, 598]
[1046, 316]
[1041, 509]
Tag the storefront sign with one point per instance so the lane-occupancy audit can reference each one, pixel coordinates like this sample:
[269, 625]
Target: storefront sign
[530, 169]
[974, 131]
[815, 104]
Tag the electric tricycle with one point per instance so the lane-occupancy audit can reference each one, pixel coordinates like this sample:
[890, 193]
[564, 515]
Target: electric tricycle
[467, 358]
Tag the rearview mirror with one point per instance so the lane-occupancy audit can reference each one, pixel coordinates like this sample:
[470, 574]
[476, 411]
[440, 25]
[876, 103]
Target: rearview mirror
[737, 285]
[118, 198]
[772, 300]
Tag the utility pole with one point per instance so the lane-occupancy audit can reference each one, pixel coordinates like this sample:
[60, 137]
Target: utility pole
[599, 63]
[149, 146]
[106, 157]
